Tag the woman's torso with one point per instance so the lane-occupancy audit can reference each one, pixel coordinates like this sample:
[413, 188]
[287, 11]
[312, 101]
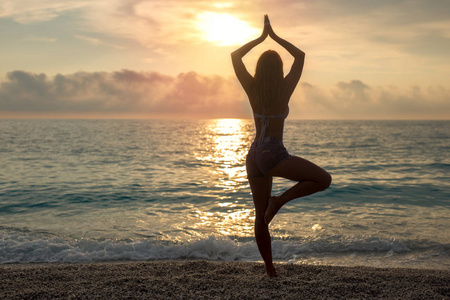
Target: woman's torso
[275, 114]
[274, 124]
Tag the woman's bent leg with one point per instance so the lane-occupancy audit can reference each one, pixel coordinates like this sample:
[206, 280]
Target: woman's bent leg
[261, 190]
[311, 179]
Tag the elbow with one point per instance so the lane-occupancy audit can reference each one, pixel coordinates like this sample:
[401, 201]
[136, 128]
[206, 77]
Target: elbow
[237, 53]
[235, 56]
[301, 56]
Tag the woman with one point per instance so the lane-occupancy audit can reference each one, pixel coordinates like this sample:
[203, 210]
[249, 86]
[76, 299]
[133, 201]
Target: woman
[269, 93]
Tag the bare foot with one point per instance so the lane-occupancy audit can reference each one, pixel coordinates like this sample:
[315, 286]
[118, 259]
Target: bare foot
[271, 272]
[272, 209]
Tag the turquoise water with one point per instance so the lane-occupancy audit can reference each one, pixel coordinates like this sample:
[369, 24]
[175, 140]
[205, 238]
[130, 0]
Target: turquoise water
[102, 190]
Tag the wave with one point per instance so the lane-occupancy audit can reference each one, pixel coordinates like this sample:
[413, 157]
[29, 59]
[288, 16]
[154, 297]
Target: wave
[28, 247]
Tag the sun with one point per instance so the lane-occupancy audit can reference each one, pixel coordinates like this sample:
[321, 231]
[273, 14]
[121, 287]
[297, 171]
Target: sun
[224, 29]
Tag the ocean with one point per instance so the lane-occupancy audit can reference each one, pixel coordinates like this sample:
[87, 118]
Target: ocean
[114, 190]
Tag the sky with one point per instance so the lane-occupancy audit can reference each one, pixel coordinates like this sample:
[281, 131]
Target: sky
[171, 58]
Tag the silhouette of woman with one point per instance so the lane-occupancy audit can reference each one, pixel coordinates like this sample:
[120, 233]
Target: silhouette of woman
[269, 93]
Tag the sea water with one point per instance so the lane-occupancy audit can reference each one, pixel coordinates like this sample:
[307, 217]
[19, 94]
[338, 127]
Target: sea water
[106, 190]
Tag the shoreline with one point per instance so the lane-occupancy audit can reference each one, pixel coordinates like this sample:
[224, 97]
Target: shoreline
[217, 280]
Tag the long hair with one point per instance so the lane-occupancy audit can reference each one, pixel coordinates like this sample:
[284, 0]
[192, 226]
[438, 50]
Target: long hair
[269, 83]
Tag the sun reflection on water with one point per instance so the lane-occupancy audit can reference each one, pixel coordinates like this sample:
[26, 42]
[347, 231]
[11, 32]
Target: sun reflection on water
[237, 223]
[229, 142]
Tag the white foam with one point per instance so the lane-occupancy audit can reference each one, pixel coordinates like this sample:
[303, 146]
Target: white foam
[25, 247]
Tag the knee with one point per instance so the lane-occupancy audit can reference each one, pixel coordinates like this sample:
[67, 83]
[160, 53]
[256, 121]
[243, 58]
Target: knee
[259, 220]
[325, 182]
[260, 225]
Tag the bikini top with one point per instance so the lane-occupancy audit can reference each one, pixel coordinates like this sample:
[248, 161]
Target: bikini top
[265, 122]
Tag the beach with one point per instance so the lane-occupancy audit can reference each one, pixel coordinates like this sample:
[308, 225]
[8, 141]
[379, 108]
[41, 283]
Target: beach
[217, 280]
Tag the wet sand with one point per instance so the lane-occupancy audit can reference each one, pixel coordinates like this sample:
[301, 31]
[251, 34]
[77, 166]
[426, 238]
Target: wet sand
[216, 280]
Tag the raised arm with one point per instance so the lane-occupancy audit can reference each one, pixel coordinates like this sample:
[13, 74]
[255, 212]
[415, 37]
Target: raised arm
[242, 74]
[295, 73]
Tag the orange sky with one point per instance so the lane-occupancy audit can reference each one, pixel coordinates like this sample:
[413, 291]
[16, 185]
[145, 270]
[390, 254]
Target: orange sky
[166, 58]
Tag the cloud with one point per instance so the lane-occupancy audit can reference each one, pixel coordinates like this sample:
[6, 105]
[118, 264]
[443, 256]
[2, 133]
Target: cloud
[128, 93]
[123, 93]
[96, 41]
[40, 39]
[371, 37]
[357, 100]
[31, 11]
[151, 21]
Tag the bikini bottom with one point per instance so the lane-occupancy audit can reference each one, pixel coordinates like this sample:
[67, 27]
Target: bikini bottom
[263, 157]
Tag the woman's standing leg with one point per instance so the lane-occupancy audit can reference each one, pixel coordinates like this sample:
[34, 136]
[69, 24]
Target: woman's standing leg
[311, 179]
[261, 190]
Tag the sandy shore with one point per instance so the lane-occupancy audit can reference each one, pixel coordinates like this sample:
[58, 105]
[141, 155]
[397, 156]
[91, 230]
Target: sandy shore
[216, 280]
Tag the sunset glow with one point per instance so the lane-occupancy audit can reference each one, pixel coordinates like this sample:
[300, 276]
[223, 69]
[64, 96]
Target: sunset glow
[225, 29]
[171, 58]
